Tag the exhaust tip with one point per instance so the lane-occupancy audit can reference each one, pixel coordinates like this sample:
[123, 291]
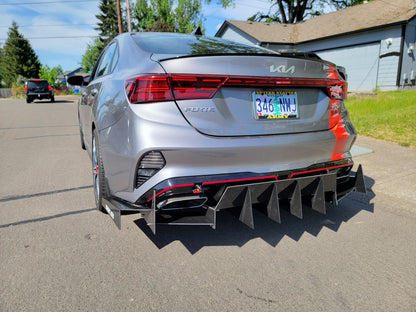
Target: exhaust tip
[183, 202]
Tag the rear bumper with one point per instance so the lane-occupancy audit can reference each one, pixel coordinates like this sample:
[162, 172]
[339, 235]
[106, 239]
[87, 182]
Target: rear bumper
[40, 95]
[313, 189]
[337, 176]
[192, 157]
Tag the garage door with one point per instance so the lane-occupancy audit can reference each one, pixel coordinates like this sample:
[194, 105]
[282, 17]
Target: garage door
[361, 63]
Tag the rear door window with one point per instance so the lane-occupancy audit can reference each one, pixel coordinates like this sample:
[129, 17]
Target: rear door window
[108, 61]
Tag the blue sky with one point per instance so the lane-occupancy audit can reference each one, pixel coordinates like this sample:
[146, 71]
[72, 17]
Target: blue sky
[59, 30]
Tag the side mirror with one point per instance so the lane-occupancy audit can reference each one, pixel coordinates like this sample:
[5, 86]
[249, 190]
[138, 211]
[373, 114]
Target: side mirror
[77, 81]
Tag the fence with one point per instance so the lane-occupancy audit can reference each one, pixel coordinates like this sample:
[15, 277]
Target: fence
[5, 92]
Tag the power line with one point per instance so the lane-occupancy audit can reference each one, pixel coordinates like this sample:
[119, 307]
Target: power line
[57, 37]
[56, 25]
[47, 2]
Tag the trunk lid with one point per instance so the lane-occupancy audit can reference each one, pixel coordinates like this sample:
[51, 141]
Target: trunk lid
[256, 86]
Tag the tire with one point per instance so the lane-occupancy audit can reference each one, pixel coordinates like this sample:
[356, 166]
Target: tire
[28, 100]
[52, 99]
[99, 181]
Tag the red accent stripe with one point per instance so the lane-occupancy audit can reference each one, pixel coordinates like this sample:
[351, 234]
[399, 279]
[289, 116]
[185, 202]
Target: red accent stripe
[213, 182]
[314, 170]
[170, 187]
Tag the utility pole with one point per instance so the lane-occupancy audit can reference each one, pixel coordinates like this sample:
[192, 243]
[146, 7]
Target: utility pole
[120, 28]
[128, 15]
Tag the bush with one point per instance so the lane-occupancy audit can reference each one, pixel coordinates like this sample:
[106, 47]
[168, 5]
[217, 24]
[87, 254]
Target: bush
[18, 90]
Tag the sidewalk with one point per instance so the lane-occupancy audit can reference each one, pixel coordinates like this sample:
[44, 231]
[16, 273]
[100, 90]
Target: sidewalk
[393, 169]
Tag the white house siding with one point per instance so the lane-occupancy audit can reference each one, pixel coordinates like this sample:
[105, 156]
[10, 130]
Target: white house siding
[389, 64]
[370, 62]
[361, 63]
[409, 57]
[360, 54]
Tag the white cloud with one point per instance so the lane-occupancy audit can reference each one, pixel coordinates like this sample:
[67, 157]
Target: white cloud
[42, 20]
[67, 52]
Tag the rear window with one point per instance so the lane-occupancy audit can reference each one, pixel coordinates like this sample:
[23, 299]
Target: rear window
[37, 84]
[180, 44]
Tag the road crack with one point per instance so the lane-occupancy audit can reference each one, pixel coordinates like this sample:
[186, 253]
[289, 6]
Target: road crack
[256, 298]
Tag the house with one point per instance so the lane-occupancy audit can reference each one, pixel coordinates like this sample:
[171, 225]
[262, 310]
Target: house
[62, 79]
[374, 41]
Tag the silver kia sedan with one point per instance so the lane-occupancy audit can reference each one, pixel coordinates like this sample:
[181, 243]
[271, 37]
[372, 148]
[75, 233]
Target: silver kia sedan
[181, 126]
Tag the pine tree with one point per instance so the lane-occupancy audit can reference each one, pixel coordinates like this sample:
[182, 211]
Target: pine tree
[18, 58]
[108, 21]
[1, 68]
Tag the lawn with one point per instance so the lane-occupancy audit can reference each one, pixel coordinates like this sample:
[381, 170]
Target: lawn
[389, 116]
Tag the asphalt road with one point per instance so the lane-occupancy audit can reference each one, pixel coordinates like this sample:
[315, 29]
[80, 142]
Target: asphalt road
[59, 254]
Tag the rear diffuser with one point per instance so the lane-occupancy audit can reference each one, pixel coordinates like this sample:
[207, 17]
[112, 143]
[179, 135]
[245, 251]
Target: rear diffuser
[312, 191]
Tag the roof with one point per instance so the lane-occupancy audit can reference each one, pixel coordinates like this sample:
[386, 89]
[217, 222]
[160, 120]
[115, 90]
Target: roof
[374, 14]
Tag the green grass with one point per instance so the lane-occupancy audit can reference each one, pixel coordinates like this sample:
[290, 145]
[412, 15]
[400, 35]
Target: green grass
[389, 116]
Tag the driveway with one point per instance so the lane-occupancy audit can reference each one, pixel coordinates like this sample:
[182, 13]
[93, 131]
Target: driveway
[58, 253]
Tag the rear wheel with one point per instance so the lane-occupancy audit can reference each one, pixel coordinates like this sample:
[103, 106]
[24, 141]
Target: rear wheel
[52, 99]
[100, 185]
[28, 100]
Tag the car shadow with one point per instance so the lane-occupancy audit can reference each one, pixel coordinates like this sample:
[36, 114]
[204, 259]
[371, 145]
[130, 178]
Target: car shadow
[231, 232]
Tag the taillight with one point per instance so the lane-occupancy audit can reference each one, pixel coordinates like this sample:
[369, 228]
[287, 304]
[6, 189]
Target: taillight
[337, 88]
[25, 88]
[195, 87]
[160, 87]
[168, 87]
[337, 92]
[49, 88]
[148, 88]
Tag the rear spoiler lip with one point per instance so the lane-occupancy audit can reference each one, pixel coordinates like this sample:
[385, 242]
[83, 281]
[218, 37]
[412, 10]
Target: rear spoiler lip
[166, 57]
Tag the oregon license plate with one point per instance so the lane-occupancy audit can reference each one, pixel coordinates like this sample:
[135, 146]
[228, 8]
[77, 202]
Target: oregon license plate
[275, 104]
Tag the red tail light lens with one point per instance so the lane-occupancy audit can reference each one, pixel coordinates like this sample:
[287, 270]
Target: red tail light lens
[149, 88]
[49, 88]
[195, 87]
[337, 88]
[168, 87]
[25, 88]
[160, 87]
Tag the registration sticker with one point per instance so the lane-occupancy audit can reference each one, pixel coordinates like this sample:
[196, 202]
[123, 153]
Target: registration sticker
[275, 104]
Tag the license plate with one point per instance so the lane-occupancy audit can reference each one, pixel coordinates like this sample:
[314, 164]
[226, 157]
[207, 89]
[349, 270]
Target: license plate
[275, 104]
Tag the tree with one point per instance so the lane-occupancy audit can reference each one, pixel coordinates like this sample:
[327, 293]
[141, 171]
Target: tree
[18, 58]
[50, 74]
[108, 21]
[293, 11]
[1, 69]
[91, 55]
[170, 15]
[188, 16]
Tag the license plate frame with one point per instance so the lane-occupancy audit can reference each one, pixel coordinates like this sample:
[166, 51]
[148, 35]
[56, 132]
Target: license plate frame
[275, 105]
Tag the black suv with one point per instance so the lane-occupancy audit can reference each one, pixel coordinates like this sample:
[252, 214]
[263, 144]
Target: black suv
[38, 89]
